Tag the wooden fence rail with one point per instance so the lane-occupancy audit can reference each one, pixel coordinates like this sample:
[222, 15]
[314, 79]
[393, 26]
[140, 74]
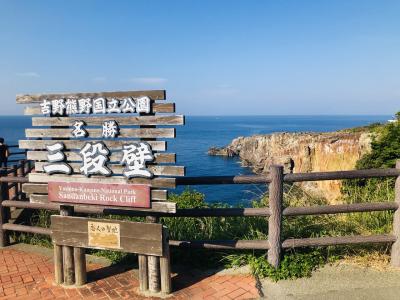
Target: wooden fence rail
[275, 212]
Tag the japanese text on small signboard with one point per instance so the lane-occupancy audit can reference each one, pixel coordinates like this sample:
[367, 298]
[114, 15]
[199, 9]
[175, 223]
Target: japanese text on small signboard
[104, 235]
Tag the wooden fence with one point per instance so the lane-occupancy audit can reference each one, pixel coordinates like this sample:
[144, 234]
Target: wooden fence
[15, 154]
[275, 212]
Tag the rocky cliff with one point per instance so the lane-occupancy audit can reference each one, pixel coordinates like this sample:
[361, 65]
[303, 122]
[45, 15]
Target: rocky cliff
[302, 152]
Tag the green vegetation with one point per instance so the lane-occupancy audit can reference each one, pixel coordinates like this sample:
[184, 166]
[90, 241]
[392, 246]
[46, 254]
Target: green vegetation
[385, 148]
[367, 128]
[296, 263]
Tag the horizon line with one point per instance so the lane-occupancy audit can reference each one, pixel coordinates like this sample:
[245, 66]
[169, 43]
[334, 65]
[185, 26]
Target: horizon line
[248, 115]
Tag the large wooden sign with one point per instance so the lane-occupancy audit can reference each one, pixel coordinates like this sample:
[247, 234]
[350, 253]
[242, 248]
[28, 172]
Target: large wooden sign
[88, 140]
[126, 236]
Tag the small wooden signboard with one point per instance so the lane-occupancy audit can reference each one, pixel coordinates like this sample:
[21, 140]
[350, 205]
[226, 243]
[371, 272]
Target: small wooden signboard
[125, 236]
[104, 149]
[149, 240]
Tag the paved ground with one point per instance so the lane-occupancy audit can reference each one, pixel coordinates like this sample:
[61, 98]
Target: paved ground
[29, 275]
[338, 282]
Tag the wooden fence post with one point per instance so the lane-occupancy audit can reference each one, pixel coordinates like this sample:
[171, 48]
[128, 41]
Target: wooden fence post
[153, 268]
[80, 266]
[15, 184]
[4, 211]
[58, 264]
[395, 255]
[68, 251]
[143, 273]
[28, 166]
[21, 173]
[275, 219]
[165, 265]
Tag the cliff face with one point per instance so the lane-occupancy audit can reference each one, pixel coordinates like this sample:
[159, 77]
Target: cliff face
[301, 152]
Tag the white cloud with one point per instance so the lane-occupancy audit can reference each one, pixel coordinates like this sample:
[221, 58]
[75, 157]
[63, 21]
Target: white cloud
[148, 80]
[99, 79]
[28, 74]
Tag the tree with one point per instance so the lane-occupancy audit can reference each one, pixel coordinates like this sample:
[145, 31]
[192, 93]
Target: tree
[385, 148]
[398, 116]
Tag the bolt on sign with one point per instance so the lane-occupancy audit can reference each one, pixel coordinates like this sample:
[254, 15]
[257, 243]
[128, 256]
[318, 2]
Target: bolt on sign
[102, 149]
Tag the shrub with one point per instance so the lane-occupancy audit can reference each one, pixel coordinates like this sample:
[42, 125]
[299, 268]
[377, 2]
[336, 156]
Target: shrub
[293, 265]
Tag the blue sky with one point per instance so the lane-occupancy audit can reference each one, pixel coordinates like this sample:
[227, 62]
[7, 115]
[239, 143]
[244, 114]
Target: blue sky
[212, 57]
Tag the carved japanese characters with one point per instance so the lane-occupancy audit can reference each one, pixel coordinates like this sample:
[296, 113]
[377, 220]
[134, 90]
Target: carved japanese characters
[100, 105]
[134, 157]
[93, 141]
[56, 160]
[95, 157]
[110, 129]
[79, 131]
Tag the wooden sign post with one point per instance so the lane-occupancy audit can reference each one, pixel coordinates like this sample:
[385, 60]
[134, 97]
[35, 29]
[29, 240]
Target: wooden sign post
[103, 149]
[141, 238]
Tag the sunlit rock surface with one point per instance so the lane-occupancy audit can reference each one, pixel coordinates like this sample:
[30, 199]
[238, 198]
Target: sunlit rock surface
[302, 153]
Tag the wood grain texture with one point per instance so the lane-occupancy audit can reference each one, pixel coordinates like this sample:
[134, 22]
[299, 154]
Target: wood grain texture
[32, 98]
[339, 208]
[120, 119]
[275, 219]
[68, 251]
[289, 243]
[156, 108]
[118, 169]
[222, 244]
[24, 228]
[223, 212]
[395, 254]
[153, 270]
[143, 273]
[135, 237]
[159, 195]
[4, 211]
[69, 274]
[159, 158]
[165, 266]
[339, 175]
[41, 201]
[78, 144]
[290, 178]
[58, 265]
[157, 208]
[97, 133]
[41, 188]
[80, 266]
[157, 182]
[338, 240]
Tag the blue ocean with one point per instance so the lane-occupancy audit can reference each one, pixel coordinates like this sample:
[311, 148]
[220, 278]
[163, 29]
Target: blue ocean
[201, 132]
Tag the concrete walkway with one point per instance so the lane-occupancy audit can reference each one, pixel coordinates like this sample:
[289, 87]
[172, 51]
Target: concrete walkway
[336, 283]
[26, 272]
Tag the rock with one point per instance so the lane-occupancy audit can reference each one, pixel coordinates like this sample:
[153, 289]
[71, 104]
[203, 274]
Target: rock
[223, 151]
[302, 153]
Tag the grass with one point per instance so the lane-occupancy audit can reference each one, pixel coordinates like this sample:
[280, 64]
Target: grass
[295, 263]
[301, 262]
